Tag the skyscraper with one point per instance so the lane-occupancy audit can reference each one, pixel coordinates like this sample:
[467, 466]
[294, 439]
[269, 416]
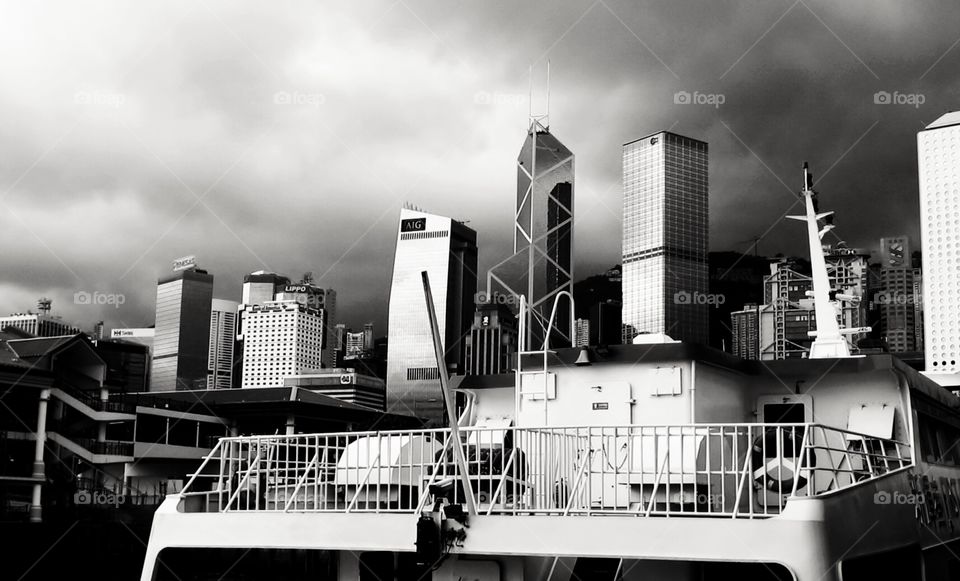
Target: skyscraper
[223, 332]
[261, 286]
[938, 150]
[281, 339]
[492, 340]
[542, 263]
[285, 329]
[896, 298]
[181, 340]
[447, 250]
[665, 237]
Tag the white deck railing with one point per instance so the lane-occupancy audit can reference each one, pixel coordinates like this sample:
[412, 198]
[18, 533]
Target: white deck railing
[723, 470]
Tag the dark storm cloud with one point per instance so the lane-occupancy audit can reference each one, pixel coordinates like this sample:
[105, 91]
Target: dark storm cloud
[287, 137]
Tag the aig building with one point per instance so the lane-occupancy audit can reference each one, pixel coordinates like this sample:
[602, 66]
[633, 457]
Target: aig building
[447, 250]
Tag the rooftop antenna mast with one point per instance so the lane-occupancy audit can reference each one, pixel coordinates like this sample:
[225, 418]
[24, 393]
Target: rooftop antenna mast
[542, 120]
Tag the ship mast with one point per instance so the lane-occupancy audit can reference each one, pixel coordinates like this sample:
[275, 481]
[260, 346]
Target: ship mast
[829, 341]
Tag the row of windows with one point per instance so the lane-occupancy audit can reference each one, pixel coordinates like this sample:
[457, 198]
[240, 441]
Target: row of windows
[422, 373]
[424, 235]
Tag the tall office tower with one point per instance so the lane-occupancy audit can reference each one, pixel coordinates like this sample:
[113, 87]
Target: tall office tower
[492, 340]
[97, 331]
[223, 332]
[315, 297]
[745, 332]
[542, 263]
[582, 333]
[447, 250]
[281, 339]
[354, 347]
[665, 237]
[938, 150]
[896, 296]
[368, 336]
[181, 340]
[38, 325]
[339, 343]
[261, 286]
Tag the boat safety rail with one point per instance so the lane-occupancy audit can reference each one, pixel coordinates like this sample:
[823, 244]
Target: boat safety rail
[722, 470]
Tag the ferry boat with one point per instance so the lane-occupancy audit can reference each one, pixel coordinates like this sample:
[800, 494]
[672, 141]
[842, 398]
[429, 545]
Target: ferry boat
[655, 461]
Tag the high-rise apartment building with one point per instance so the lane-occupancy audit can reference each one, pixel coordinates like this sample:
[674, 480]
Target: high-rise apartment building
[223, 332]
[447, 251]
[665, 237]
[182, 337]
[542, 263]
[938, 152]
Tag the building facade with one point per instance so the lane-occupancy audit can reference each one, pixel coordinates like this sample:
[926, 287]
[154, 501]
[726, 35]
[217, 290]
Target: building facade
[895, 300]
[745, 329]
[938, 152]
[542, 263]
[261, 286]
[38, 325]
[280, 339]
[665, 237]
[780, 327]
[447, 251]
[345, 384]
[492, 340]
[182, 335]
[223, 332]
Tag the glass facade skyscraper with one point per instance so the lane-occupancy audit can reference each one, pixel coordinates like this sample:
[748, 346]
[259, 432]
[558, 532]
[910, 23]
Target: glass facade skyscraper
[181, 340]
[447, 250]
[938, 150]
[223, 334]
[665, 237]
[542, 263]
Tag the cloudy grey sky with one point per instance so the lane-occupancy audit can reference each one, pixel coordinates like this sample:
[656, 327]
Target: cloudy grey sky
[286, 136]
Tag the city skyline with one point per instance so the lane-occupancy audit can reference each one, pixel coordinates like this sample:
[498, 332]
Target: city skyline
[182, 161]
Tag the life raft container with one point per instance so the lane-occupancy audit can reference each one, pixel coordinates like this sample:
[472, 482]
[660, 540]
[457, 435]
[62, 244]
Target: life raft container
[775, 467]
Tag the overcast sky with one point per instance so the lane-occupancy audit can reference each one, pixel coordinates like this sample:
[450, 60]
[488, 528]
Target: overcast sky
[286, 136]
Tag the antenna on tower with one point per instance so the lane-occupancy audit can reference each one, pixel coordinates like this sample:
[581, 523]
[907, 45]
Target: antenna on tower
[44, 305]
[530, 97]
[541, 120]
[547, 116]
